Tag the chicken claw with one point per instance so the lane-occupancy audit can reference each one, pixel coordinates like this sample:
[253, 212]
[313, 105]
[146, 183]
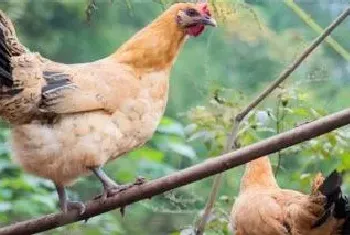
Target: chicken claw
[75, 205]
[140, 180]
[111, 188]
[67, 205]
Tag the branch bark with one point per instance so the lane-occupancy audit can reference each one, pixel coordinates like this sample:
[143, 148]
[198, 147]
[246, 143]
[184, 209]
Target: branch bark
[189, 175]
[232, 138]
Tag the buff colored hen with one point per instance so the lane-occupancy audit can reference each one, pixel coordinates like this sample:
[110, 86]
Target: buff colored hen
[263, 208]
[69, 120]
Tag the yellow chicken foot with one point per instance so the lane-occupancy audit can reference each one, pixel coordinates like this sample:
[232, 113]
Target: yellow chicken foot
[67, 205]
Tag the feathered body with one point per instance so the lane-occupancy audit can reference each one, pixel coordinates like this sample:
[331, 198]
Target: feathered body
[70, 118]
[263, 208]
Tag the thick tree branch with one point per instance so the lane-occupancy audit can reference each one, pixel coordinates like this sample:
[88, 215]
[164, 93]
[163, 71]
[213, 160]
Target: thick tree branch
[189, 175]
[232, 138]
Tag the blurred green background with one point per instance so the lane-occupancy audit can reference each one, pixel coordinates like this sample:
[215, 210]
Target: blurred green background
[214, 77]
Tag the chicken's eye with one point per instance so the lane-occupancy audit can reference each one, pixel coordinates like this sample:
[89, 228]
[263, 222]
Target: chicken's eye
[191, 12]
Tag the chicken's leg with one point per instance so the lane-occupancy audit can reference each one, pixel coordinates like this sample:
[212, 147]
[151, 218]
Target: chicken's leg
[110, 187]
[65, 204]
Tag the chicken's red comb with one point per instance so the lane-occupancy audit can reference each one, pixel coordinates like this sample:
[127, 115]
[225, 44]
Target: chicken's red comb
[204, 9]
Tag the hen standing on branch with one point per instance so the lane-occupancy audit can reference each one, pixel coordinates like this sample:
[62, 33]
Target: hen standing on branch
[69, 120]
[263, 208]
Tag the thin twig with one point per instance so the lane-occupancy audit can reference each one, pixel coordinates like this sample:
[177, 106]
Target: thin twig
[210, 203]
[285, 74]
[240, 116]
[318, 29]
[186, 176]
[279, 127]
[231, 145]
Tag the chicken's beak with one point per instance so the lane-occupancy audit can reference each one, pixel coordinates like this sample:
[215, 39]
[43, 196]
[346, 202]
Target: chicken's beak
[207, 20]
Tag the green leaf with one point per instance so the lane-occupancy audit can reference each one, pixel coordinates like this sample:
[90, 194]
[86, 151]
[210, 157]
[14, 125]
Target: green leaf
[203, 136]
[154, 170]
[301, 112]
[189, 129]
[47, 201]
[148, 153]
[169, 126]
[5, 206]
[187, 231]
[332, 139]
[183, 149]
[345, 161]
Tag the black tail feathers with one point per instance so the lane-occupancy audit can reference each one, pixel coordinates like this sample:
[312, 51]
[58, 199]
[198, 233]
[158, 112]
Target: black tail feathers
[331, 188]
[5, 61]
[5, 53]
[9, 47]
[337, 204]
[345, 230]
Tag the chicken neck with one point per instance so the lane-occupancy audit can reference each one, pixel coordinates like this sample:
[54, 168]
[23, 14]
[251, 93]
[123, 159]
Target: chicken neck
[155, 47]
[258, 173]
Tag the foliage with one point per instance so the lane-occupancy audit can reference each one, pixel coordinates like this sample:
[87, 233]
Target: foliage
[300, 163]
[214, 77]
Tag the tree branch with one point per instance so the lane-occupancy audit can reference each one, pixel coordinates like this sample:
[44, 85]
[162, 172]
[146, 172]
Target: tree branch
[189, 175]
[317, 28]
[287, 72]
[232, 138]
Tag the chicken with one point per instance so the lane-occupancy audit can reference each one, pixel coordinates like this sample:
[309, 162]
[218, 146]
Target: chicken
[263, 208]
[69, 120]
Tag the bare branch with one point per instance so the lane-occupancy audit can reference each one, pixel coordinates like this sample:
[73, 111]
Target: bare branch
[286, 73]
[317, 28]
[232, 138]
